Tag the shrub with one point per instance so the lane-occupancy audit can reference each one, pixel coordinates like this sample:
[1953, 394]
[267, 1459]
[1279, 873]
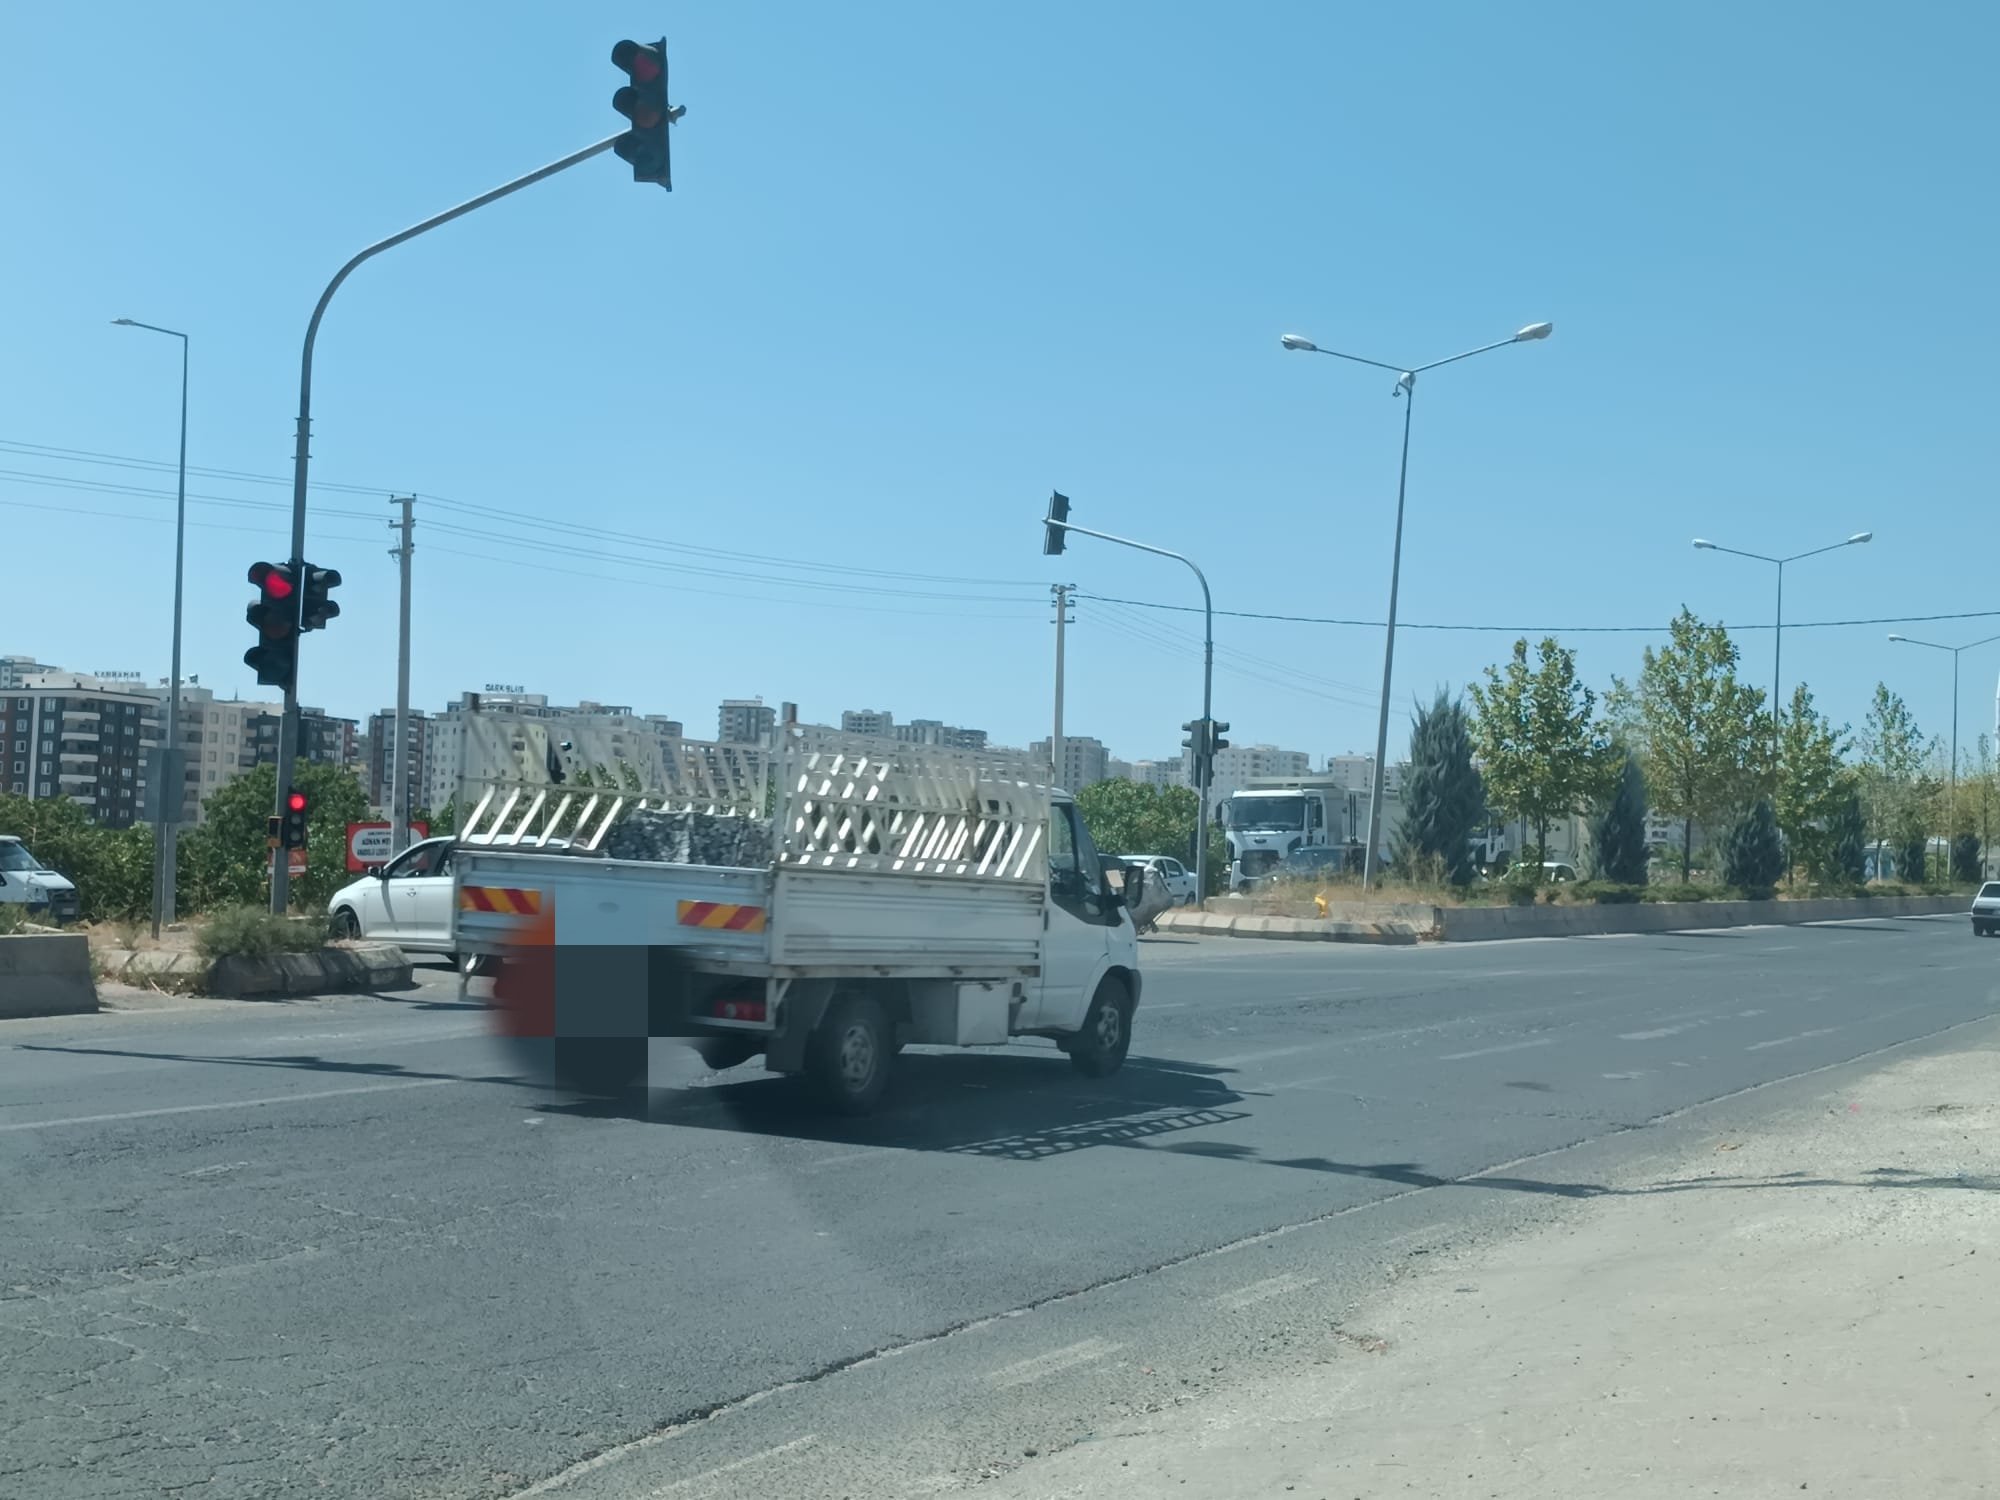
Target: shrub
[1755, 855]
[1965, 863]
[248, 932]
[1619, 833]
[13, 917]
[1603, 893]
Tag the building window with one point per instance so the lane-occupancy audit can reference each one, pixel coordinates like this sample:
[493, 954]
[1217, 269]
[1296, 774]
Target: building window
[20, 768]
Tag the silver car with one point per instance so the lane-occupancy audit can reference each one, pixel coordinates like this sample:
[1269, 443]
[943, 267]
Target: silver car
[1986, 910]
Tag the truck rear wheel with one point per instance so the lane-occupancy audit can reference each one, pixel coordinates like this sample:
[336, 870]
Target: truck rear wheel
[847, 1060]
[1098, 1050]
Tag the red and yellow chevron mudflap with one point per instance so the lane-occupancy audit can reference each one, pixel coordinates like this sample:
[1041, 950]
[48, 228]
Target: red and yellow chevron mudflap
[505, 900]
[722, 916]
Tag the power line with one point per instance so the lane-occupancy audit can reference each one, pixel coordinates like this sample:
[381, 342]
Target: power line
[1244, 614]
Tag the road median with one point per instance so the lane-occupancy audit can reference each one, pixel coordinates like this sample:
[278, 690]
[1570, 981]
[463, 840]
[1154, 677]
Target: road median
[1410, 923]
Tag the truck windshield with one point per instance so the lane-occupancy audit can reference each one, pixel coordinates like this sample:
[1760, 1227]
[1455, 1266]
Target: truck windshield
[15, 856]
[1267, 812]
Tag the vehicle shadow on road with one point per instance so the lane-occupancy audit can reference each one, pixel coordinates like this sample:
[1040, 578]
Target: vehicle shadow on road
[1018, 1106]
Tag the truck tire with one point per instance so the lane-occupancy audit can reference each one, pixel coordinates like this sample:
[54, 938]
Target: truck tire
[1098, 1050]
[847, 1060]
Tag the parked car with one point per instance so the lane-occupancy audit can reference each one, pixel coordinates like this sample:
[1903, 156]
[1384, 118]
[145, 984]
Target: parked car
[1167, 874]
[406, 902]
[1553, 872]
[1986, 910]
[28, 883]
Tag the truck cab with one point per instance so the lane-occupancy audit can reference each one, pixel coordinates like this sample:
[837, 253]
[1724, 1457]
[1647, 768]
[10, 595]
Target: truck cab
[1264, 825]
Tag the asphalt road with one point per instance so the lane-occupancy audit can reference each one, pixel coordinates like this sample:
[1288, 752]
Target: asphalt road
[333, 1247]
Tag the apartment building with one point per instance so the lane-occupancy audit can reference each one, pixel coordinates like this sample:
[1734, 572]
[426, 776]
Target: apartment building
[67, 734]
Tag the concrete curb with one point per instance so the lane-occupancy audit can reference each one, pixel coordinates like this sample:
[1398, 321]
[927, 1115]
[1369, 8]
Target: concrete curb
[46, 975]
[1403, 923]
[366, 966]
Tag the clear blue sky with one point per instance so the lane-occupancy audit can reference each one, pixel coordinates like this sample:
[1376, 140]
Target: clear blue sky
[924, 263]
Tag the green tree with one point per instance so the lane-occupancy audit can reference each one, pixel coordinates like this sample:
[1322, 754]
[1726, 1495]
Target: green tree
[1705, 742]
[1541, 756]
[1965, 857]
[1126, 817]
[1618, 835]
[1812, 781]
[1847, 838]
[226, 860]
[1444, 800]
[111, 868]
[1892, 751]
[1754, 857]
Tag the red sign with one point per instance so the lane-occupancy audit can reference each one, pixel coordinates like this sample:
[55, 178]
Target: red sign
[295, 863]
[368, 844]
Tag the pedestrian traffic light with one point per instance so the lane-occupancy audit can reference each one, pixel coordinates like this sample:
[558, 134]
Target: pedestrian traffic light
[1055, 536]
[1217, 728]
[643, 101]
[318, 585]
[275, 613]
[293, 834]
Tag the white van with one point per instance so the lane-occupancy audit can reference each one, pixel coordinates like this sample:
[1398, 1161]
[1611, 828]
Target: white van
[26, 881]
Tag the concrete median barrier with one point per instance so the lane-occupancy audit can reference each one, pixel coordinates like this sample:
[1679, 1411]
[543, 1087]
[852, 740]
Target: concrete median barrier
[1406, 923]
[46, 975]
[365, 966]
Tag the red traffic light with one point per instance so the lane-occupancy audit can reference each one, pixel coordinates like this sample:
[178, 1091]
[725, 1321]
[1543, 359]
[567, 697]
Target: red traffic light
[273, 579]
[296, 802]
[643, 63]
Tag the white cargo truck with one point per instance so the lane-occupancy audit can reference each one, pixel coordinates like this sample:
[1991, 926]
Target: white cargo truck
[824, 906]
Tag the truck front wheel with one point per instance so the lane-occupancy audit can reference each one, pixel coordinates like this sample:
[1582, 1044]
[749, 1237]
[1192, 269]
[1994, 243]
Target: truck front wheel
[1099, 1049]
[847, 1060]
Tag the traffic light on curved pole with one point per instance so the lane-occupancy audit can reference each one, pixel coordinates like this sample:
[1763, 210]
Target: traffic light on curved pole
[643, 101]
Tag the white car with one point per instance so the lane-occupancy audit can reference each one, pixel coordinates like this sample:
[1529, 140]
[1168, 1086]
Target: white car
[406, 902]
[1986, 909]
[1165, 873]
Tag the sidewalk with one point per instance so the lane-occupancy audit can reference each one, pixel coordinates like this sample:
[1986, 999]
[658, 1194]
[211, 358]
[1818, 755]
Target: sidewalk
[1813, 1309]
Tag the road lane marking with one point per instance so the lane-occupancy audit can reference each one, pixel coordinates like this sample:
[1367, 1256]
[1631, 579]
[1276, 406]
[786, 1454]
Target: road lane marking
[1658, 1032]
[1263, 1291]
[1269, 1054]
[1540, 1041]
[730, 1468]
[1021, 1372]
[191, 1109]
[1779, 1041]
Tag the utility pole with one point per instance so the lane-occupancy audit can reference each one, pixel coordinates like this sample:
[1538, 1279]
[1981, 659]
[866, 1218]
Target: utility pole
[399, 777]
[1062, 593]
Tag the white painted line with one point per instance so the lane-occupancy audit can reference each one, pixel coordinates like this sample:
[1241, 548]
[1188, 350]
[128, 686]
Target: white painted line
[1540, 1041]
[1744, 1015]
[1622, 1077]
[1656, 1034]
[729, 1468]
[191, 1109]
[1021, 1372]
[1263, 1291]
[1780, 1041]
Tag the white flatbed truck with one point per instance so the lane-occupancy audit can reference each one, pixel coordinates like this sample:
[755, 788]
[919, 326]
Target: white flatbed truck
[899, 894]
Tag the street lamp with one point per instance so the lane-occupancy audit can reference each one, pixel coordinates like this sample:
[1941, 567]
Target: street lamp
[166, 864]
[1058, 530]
[1406, 387]
[1951, 818]
[1702, 544]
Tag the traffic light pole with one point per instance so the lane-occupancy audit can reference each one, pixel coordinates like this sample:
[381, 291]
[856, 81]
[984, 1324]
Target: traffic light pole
[288, 733]
[1204, 763]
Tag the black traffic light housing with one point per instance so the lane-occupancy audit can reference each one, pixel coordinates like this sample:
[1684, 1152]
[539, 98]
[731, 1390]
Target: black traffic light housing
[1217, 728]
[275, 614]
[318, 606]
[1054, 536]
[292, 833]
[643, 101]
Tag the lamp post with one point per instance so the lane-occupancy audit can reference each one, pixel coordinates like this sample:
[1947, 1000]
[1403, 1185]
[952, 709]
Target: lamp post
[1951, 817]
[1406, 387]
[166, 864]
[1059, 529]
[1778, 634]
